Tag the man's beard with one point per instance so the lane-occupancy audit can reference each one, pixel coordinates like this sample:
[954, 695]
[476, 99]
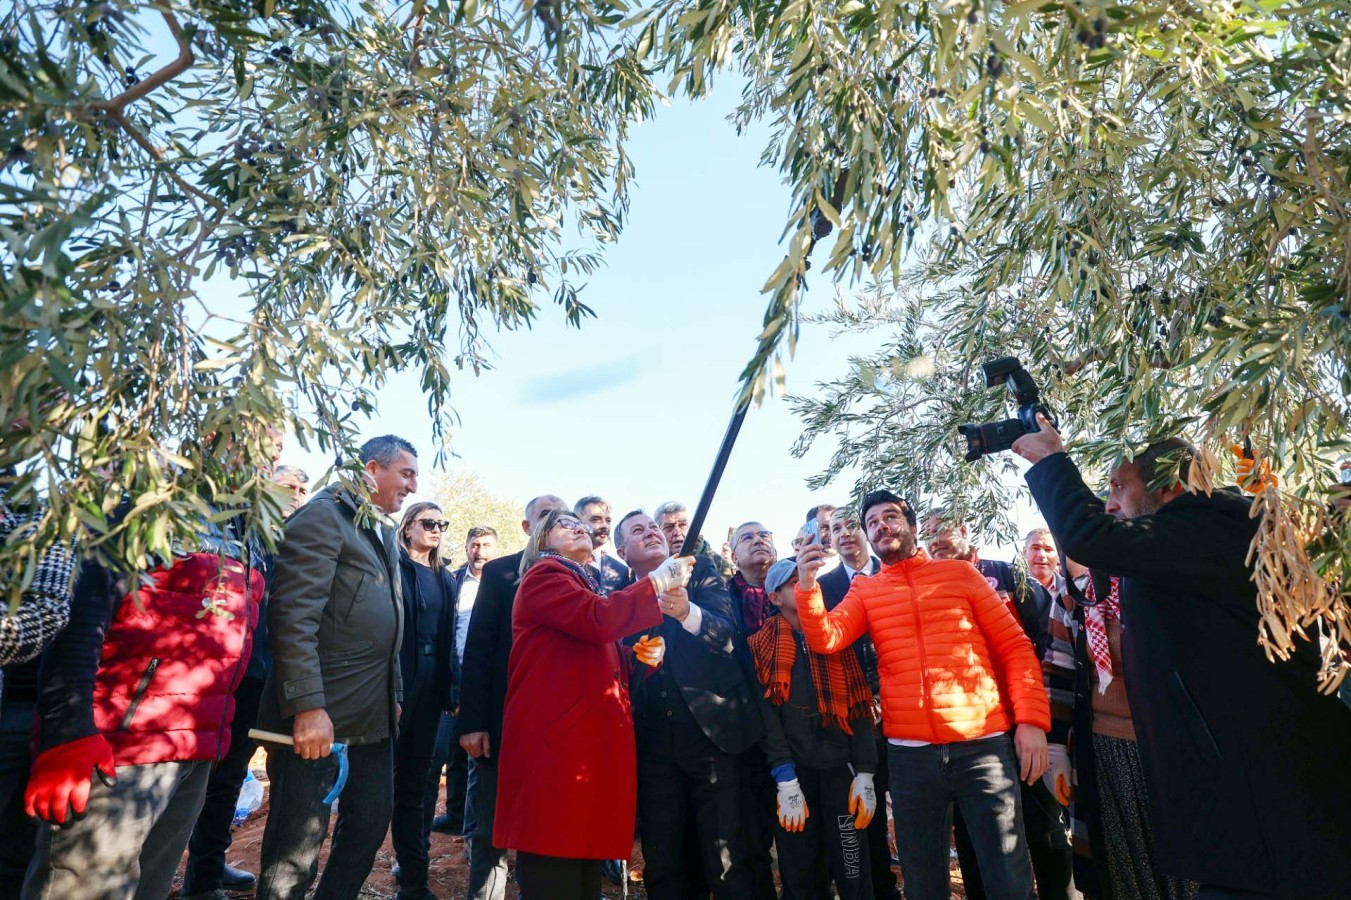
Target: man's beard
[903, 552]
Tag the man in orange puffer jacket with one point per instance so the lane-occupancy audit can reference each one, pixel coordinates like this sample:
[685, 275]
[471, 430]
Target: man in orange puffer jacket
[945, 644]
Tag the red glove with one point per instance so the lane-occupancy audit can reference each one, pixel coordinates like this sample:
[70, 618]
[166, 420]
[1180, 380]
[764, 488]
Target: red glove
[58, 788]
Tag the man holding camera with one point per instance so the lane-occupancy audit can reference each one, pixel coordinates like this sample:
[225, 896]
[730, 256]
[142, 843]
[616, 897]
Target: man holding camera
[948, 726]
[1243, 756]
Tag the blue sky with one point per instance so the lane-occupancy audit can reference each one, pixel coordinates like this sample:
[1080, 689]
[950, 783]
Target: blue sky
[633, 405]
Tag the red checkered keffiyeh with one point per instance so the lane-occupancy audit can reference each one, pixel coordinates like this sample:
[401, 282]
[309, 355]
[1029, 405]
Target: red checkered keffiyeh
[1095, 622]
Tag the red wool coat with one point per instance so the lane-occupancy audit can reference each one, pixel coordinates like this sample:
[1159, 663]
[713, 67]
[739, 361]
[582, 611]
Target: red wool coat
[567, 770]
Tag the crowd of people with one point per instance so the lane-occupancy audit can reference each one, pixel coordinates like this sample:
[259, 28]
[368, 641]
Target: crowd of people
[1095, 719]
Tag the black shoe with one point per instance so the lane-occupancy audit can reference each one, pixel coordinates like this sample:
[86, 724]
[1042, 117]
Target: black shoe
[612, 870]
[237, 879]
[415, 893]
[443, 825]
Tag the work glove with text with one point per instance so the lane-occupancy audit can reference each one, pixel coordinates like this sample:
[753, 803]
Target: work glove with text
[792, 806]
[1057, 776]
[650, 650]
[58, 788]
[862, 800]
[674, 572]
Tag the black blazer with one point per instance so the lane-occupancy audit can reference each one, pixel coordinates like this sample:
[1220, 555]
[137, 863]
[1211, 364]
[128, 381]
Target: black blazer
[707, 666]
[834, 585]
[447, 670]
[483, 673]
[1245, 762]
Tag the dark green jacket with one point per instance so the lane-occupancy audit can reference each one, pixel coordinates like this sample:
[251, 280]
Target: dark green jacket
[335, 617]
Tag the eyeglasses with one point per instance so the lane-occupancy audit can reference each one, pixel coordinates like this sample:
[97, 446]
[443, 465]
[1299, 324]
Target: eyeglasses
[433, 524]
[753, 535]
[573, 525]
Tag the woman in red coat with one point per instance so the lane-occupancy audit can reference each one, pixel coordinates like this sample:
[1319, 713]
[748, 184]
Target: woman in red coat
[567, 775]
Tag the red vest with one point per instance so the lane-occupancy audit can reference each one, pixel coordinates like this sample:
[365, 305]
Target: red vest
[172, 658]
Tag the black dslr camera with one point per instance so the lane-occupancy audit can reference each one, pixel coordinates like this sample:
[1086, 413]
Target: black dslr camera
[993, 437]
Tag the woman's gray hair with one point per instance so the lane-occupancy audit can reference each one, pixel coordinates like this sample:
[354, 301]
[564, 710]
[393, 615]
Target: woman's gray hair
[534, 548]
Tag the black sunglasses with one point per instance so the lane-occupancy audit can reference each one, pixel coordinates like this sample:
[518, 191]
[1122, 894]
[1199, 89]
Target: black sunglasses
[433, 524]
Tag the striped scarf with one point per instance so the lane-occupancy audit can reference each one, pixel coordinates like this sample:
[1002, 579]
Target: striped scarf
[841, 692]
[577, 569]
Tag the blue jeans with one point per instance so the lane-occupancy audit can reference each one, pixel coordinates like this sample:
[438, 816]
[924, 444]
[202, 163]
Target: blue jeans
[298, 822]
[981, 778]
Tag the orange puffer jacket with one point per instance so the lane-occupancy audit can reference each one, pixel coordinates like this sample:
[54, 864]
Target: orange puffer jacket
[945, 644]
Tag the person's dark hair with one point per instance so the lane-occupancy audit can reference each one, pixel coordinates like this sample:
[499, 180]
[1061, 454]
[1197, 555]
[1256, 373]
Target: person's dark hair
[410, 516]
[480, 531]
[582, 504]
[815, 510]
[386, 449]
[1166, 463]
[619, 529]
[872, 498]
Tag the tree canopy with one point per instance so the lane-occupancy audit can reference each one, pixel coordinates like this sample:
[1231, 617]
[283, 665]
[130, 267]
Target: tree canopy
[1147, 202]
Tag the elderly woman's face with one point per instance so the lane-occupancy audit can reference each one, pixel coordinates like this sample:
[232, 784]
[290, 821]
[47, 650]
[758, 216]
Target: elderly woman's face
[570, 538]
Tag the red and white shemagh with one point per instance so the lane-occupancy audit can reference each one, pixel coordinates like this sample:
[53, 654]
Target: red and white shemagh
[1095, 622]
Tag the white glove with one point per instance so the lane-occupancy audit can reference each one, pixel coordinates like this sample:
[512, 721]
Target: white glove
[674, 572]
[862, 800]
[792, 806]
[1057, 777]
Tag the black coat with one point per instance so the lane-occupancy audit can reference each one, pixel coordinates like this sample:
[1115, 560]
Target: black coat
[447, 670]
[707, 666]
[834, 585]
[1245, 762]
[483, 673]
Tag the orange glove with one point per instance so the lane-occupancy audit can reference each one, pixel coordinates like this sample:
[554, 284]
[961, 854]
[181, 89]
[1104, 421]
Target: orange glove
[862, 800]
[58, 788]
[650, 650]
[1253, 476]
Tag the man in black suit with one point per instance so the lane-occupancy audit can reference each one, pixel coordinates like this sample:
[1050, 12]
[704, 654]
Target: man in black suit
[849, 540]
[611, 572]
[480, 547]
[692, 716]
[1243, 759]
[483, 694]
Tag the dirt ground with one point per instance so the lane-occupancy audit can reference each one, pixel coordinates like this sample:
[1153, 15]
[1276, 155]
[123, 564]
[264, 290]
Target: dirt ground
[449, 869]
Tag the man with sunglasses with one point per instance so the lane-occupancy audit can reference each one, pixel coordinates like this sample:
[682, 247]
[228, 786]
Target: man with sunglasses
[948, 726]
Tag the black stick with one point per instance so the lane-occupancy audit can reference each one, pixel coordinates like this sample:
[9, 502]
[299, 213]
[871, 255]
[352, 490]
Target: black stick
[714, 477]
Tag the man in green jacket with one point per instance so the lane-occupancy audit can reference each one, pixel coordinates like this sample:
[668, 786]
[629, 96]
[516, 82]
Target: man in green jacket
[335, 619]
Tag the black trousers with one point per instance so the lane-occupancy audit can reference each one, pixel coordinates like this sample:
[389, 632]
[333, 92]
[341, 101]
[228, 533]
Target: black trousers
[20, 832]
[555, 878]
[829, 832]
[410, 827]
[1045, 822]
[760, 819]
[879, 849]
[298, 822]
[703, 788]
[211, 836]
[449, 756]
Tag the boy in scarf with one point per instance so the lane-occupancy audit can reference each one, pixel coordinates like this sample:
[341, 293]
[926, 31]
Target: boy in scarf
[819, 745]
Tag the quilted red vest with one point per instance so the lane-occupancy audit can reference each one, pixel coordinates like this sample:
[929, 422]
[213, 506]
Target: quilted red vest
[172, 658]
